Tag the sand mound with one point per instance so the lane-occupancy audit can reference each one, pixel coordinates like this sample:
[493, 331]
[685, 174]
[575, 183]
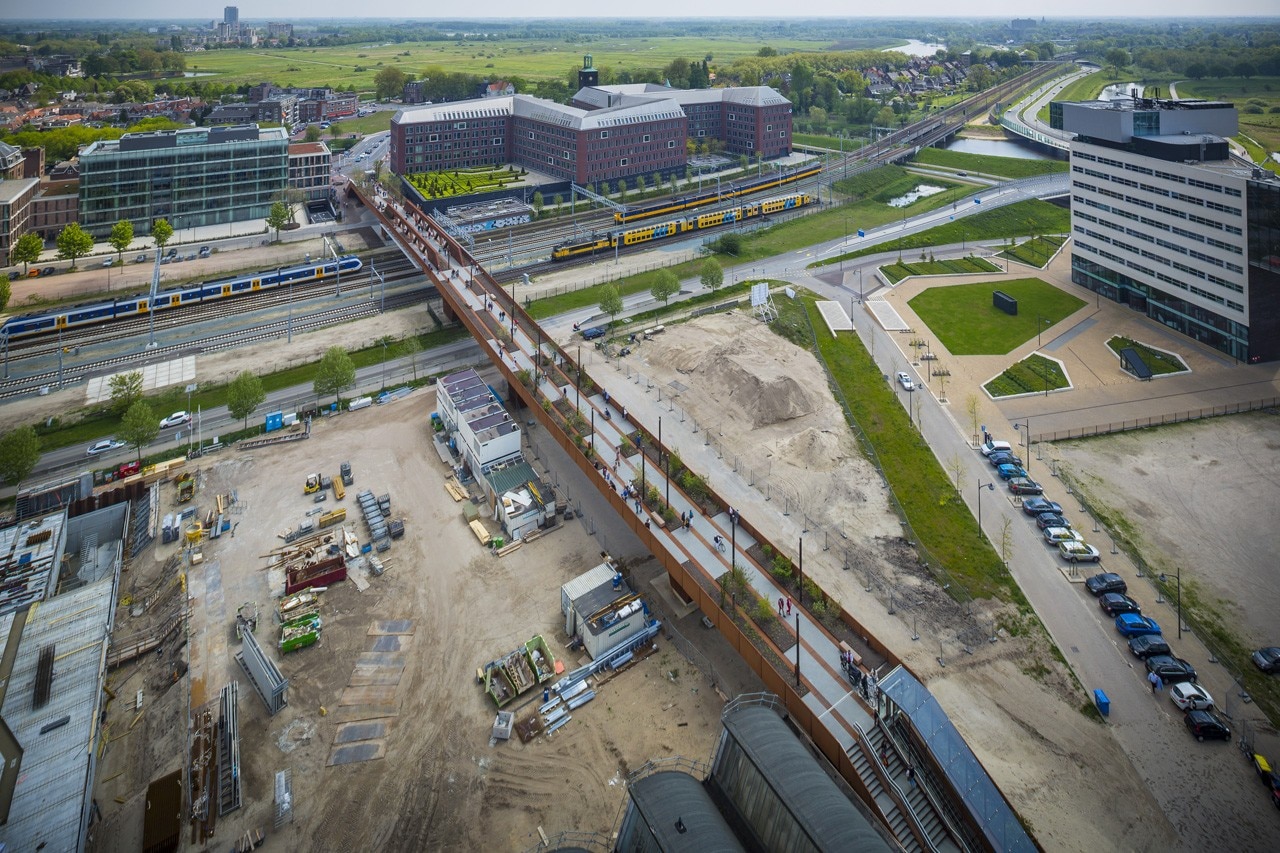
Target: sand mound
[764, 400]
[814, 449]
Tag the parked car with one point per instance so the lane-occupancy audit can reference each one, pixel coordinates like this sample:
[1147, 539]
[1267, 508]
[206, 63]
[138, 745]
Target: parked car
[33, 273]
[205, 251]
[48, 271]
[1189, 696]
[1046, 520]
[593, 333]
[1008, 471]
[141, 259]
[104, 446]
[1106, 582]
[109, 262]
[1035, 506]
[1267, 659]
[1205, 724]
[1133, 624]
[905, 381]
[1115, 603]
[1004, 457]
[172, 253]
[176, 419]
[1025, 486]
[1054, 535]
[1075, 551]
[1148, 645]
[1171, 670]
[993, 446]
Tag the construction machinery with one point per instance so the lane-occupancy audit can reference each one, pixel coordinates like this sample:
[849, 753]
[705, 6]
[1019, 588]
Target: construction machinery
[186, 487]
[312, 485]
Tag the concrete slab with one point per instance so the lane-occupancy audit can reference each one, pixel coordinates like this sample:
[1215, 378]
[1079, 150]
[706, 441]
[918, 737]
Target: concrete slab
[391, 626]
[373, 694]
[351, 732]
[356, 753]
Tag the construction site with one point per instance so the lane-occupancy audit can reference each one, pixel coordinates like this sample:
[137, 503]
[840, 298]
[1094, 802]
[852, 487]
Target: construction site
[337, 615]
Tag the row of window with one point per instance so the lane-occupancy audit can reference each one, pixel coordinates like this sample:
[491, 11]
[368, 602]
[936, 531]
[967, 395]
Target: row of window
[1157, 173]
[1181, 267]
[1189, 199]
[1165, 244]
[1168, 211]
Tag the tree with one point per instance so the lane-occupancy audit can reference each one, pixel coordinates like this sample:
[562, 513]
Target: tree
[6, 291]
[121, 237]
[161, 232]
[1118, 59]
[1197, 71]
[971, 409]
[712, 274]
[610, 301]
[292, 197]
[19, 453]
[665, 286]
[538, 204]
[1245, 69]
[278, 217]
[244, 394]
[126, 389]
[27, 250]
[336, 373]
[74, 242]
[390, 82]
[311, 134]
[139, 426]
[336, 129]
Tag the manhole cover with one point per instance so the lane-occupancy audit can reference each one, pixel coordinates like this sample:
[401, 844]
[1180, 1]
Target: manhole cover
[1075, 649]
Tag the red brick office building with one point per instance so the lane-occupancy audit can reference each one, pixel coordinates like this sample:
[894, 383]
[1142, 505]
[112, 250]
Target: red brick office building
[609, 132]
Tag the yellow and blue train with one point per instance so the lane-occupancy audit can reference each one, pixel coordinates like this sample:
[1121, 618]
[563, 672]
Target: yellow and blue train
[726, 193]
[105, 311]
[662, 230]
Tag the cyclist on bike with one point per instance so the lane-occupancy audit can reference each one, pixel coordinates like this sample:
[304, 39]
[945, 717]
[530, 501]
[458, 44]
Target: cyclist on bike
[719, 540]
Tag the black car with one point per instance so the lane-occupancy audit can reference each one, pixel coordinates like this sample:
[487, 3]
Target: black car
[1267, 659]
[1115, 603]
[1148, 645]
[1025, 486]
[1003, 457]
[1170, 669]
[1106, 582]
[1035, 506]
[1051, 519]
[1205, 724]
[47, 271]
[593, 333]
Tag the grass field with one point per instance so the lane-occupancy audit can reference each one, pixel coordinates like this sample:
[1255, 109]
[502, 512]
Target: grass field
[529, 59]
[814, 140]
[1087, 88]
[1258, 102]
[1006, 167]
[939, 519]
[1035, 374]
[1035, 252]
[1020, 219]
[959, 266]
[966, 322]
[1159, 361]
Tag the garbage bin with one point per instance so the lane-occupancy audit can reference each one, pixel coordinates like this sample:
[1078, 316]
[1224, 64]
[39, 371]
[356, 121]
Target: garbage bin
[1104, 704]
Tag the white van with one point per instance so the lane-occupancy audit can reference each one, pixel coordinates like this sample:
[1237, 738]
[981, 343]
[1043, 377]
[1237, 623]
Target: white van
[994, 446]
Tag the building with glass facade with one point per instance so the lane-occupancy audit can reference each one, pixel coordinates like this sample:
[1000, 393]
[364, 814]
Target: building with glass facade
[1164, 220]
[191, 177]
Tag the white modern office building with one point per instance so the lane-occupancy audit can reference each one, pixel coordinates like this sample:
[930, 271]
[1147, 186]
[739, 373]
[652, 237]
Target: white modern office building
[1166, 221]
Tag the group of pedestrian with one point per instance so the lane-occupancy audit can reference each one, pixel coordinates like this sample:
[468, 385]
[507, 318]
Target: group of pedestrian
[686, 519]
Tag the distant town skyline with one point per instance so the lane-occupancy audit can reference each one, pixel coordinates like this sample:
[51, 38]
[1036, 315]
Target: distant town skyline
[162, 10]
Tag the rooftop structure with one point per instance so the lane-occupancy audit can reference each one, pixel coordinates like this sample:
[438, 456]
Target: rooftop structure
[30, 554]
[601, 609]
[483, 430]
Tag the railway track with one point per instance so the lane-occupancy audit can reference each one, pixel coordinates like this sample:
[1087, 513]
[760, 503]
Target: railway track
[263, 332]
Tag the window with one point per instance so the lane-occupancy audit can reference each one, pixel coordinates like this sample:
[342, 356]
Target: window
[497, 140]
[623, 162]
[460, 125]
[645, 138]
[671, 143]
[604, 134]
[702, 133]
[768, 127]
[435, 137]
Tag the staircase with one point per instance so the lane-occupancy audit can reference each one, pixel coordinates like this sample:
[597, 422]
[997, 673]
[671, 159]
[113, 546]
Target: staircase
[919, 810]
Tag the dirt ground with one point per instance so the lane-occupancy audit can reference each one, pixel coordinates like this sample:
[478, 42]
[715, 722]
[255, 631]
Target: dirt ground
[440, 785]
[772, 403]
[1192, 494]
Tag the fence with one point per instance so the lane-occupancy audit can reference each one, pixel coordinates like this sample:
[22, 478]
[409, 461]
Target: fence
[1161, 420]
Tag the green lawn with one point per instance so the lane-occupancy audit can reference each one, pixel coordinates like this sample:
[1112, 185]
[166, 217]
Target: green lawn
[966, 322]
[1021, 219]
[814, 140]
[1159, 361]
[938, 518]
[1087, 88]
[959, 266]
[1033, 375]
[1036, 252]
[1258, 102]
[1007, 167]
[363, 125]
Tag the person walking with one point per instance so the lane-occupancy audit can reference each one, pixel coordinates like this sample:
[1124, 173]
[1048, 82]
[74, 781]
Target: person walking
[788, 605]
[911, 775]
[781, 614]
[884, 754]
[1152, 678]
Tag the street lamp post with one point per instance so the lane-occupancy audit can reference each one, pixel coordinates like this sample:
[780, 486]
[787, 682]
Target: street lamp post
[1041, 322]
[1025, 429]
[989, 487]
[1178, 578]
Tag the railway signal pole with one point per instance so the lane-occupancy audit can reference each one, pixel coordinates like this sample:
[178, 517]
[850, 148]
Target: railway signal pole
[151, 303]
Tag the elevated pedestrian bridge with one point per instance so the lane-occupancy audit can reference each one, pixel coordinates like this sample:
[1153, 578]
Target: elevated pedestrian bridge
[610, 438]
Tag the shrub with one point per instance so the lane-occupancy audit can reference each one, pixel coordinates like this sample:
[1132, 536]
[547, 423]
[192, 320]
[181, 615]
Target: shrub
[763, 612]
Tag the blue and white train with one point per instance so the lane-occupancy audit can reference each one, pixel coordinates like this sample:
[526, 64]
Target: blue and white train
[89, 314]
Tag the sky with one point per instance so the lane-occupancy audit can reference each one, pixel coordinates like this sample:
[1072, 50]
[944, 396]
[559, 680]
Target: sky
[286, 10]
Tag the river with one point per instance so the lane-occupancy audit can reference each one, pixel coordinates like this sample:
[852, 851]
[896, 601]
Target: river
[915, 47]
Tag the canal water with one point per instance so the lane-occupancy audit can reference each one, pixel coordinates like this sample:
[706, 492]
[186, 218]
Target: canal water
[915, 47]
